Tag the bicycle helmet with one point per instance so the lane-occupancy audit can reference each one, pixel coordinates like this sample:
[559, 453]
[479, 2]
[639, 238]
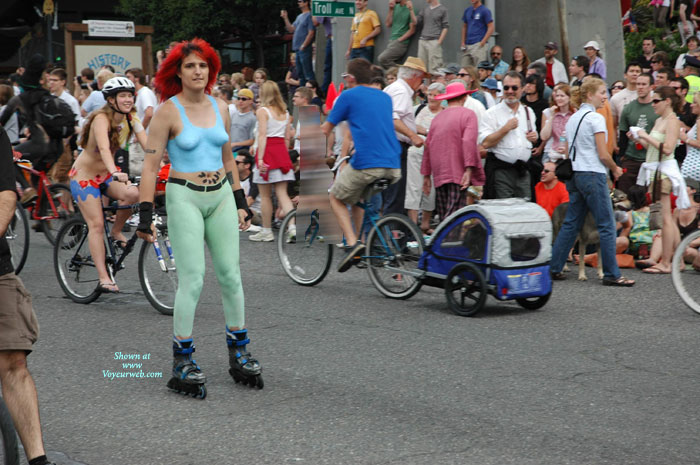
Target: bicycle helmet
[117, 84]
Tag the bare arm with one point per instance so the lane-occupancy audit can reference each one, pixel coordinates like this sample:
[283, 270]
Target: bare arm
[605, 158]
[291, 81]
[546, 131]
[489, 31]
[375, 32]
[287, 25]
[262, 134]
[147, 116]
[309, 38]
[443, 34]
[8, 201]
[389, 20]
[327, 127]
[155, 146]
[464, 34]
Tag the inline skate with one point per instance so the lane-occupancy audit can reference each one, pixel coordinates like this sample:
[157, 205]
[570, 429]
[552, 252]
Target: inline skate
[187, 377]
[244, 369]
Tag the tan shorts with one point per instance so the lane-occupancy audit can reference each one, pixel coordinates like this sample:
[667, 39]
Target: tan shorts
[351, 183]
[19, 328]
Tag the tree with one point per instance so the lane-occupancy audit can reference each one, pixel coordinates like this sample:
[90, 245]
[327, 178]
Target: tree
[215, 21]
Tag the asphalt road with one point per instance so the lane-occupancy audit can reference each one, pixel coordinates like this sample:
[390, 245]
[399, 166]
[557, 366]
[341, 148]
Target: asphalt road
[598, 376]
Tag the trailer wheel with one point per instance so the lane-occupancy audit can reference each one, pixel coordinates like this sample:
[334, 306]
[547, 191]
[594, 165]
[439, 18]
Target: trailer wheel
[465, 289]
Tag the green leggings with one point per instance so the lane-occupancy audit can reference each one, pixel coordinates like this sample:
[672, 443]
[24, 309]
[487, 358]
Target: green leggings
[194, 217]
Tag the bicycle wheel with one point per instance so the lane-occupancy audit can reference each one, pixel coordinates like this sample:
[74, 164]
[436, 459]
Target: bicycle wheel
[308, 263]
[158, 275]
[65, 210]
[685, 279]
[10, 446]
[465, 289]
[394, 247]
[17, 236]
[73, 264]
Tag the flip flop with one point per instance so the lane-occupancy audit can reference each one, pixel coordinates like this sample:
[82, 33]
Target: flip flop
[654, 270]
[108, 288]
[643, 264]
[621, 281]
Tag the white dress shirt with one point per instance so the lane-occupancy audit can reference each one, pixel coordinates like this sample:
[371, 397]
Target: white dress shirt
[514, 145]
[402, 105]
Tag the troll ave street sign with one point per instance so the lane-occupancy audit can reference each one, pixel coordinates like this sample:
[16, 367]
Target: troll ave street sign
[332, 8]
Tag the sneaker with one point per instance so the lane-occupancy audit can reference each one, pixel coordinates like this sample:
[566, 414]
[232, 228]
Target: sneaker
[353, 256]
[252, 229]
[291, 235]
[28, 196]
[133, 220]
[262, 237]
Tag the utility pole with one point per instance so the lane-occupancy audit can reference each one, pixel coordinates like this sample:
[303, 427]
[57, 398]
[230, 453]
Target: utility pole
[564, 33]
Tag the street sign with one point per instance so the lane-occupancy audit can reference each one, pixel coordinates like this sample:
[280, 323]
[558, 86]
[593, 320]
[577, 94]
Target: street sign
[110, 28]
[332, 8]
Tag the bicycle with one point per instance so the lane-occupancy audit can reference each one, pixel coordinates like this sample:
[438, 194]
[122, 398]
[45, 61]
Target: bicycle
[684, 277]
[77, 274]
[17, 236]
[8, 436]
[394, 246]
[54, 204]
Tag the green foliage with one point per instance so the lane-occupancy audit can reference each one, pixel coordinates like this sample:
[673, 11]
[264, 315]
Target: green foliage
[669, 43]
[213, 20]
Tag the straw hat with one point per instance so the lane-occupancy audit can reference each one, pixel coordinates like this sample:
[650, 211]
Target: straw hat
[415, 63]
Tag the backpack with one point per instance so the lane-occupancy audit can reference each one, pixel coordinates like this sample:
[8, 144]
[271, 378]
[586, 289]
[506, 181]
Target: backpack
[55, 116]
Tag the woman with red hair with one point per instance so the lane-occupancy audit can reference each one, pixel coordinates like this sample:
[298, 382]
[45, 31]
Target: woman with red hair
[200, 195]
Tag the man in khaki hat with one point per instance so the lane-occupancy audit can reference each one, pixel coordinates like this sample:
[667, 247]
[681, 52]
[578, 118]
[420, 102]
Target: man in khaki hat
[409, 79]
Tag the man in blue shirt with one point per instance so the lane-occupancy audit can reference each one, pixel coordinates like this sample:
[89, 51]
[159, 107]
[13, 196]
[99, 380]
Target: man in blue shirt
[304, 33]
[476, 30]
[369, 113]
[500, 67]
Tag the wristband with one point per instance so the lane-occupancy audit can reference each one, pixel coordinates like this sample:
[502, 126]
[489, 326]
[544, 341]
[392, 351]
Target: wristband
[145, 217]
[241, 203]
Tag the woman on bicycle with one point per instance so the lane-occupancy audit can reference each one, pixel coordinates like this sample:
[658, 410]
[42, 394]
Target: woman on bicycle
[94, 171]
[200, 196]
[273, 167]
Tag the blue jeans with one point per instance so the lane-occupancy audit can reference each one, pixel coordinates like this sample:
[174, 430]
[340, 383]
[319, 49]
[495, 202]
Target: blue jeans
[328, 65]
[363, 52]
[588, 191]
[305, 66]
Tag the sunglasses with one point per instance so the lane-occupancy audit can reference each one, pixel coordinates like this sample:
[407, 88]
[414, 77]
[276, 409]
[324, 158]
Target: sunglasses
[243, 99]
[654, 61]
[546, 171]
[511, 87]
[618, 87]
[656, 100]
[495, 54]
[462, 74]
[238, 162]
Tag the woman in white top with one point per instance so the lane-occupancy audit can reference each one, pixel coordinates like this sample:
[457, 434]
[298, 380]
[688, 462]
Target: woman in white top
[273, 167]
[554, 121]
[415, 198]
[588, 188]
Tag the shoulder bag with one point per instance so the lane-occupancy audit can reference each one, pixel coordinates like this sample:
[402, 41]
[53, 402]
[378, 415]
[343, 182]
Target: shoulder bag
[565, 167]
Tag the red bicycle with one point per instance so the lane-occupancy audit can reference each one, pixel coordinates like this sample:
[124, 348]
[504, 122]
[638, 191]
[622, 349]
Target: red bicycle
[54, 204]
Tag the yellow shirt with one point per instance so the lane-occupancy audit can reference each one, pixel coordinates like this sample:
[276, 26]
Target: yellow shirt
[362, 25]
[124, 130]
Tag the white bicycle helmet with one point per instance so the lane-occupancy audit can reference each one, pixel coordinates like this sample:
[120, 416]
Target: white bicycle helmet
[118, 84]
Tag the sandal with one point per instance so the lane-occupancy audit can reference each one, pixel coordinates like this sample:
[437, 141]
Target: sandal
[655, 270]
[621, 281]
[108, 288]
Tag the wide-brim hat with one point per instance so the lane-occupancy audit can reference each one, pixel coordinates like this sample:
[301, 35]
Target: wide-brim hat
[592, 43]
[485, 65]
[415, 63]
[454, 90]
[33, 72]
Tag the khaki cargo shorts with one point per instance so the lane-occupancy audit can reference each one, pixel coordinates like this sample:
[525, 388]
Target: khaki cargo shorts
[351, 183]
[19, 328]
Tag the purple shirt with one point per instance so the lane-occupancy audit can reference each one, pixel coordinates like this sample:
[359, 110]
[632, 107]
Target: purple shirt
[451, 148]
[327, 25]
[598, 66]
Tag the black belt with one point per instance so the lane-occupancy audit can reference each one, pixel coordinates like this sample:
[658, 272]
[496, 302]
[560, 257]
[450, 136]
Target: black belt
[197, 187]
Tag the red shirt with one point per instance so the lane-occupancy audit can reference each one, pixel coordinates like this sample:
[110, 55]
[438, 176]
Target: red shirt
[550, 77]
[549, 199]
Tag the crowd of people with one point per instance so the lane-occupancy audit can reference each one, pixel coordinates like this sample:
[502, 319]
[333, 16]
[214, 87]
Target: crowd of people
[445, 135]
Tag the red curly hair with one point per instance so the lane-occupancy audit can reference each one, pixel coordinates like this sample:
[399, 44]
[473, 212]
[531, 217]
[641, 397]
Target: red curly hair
[167, 81]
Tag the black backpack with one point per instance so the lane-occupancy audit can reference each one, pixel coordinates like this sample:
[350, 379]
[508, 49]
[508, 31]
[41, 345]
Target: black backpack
[55, 116]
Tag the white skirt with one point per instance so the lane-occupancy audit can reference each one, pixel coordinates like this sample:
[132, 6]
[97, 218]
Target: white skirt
[275, 176]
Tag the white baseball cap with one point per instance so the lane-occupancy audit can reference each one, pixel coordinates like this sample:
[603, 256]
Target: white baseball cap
[592, 43]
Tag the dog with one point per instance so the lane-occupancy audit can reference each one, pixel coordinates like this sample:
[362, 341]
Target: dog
[587, 236]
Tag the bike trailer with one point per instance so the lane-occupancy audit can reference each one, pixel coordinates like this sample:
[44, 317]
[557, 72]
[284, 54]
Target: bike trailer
[509, 240]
